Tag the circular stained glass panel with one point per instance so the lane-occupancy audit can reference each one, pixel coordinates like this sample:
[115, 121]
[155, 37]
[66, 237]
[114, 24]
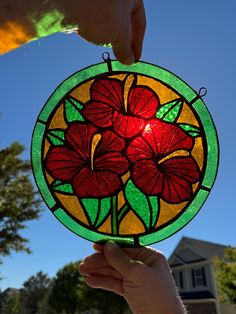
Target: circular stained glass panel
[128, 153]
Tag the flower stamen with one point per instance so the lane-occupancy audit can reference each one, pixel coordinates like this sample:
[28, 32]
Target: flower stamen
[177, 153]
[95, 140]
[128, 83]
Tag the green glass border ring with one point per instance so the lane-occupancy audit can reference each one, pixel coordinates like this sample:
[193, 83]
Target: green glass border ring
[178, 86]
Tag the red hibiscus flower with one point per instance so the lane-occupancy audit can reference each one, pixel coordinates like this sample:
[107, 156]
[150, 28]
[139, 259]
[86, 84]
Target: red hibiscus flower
[90, 161]
[122, 105]
[162, 164]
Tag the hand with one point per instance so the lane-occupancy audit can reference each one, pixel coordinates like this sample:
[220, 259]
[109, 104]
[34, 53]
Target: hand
[142, 276]
[120, 23]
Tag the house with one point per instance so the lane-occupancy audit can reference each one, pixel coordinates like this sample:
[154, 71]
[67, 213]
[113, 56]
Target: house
[193, 270]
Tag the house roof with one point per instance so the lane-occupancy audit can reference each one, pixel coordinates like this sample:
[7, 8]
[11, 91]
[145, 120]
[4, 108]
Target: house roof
[191, 250]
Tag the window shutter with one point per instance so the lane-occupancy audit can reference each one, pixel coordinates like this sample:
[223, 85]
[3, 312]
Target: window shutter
[181, 279]
[193, 279]
[203, 276]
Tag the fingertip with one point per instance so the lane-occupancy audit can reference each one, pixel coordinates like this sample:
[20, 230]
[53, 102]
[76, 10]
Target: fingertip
[111, 246]
[80, 264]
[125, 60]
[81, 268]
[123, 54]
[98, 247]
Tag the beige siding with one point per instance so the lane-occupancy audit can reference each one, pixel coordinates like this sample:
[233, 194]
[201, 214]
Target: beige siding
[201, 308]
[227, 308]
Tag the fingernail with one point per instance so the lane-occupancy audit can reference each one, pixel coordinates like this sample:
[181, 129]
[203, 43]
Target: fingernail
[111, 245]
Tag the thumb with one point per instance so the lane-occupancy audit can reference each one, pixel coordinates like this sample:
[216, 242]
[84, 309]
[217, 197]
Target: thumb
[122, 46]
[138, 21]
[116, 257]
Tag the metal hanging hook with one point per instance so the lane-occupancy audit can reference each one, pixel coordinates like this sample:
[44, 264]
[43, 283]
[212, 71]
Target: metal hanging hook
[106, 56]
[202, 92]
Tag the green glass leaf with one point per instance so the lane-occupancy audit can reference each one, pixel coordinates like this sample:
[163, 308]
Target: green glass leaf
[122, 212]
[60, 186]
[194, 134]
[170, 111]
[154, 203]
[96, 209]
[91, 207]
[73, 110]
[114, 215]
[56, 137]
[105, 206]
[146, 208]
[190, 129]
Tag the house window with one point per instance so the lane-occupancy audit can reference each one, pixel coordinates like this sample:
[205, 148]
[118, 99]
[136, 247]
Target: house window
[178, 277]
[198, 277]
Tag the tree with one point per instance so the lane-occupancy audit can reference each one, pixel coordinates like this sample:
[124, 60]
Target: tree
[226, 276]
[19, 202]
[70, 294]
[34, 294]
[101, 300]
[63, 296]
[10, 302]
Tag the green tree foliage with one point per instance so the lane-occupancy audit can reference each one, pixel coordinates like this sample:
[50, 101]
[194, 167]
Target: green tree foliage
[19, 202]
[226, 276]
[70, 294]
[105, 301]
[67, 293]
[34, 294]
[63, 296]
[10, 303]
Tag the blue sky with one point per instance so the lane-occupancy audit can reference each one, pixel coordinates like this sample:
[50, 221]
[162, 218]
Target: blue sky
[194, 39]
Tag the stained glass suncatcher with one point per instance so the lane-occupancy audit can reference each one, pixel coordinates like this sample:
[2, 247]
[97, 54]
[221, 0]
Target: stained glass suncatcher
[128, 153]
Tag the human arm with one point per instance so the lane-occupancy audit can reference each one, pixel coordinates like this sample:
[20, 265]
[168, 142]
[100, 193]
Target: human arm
[142, 276]
[120, 23]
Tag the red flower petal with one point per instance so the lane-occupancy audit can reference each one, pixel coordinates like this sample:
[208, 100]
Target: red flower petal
[183, 167]
[147, 177]
[110, 143]
[114, 162]
[89, 183]
[62, 163]
[176, 189]
[74, 165]
[98, 113]
[172, 179]
[165, 138]
[108, 91]
[139, 149]
[79, 138]
[143, 101]
[127, 126]
[180, 173]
